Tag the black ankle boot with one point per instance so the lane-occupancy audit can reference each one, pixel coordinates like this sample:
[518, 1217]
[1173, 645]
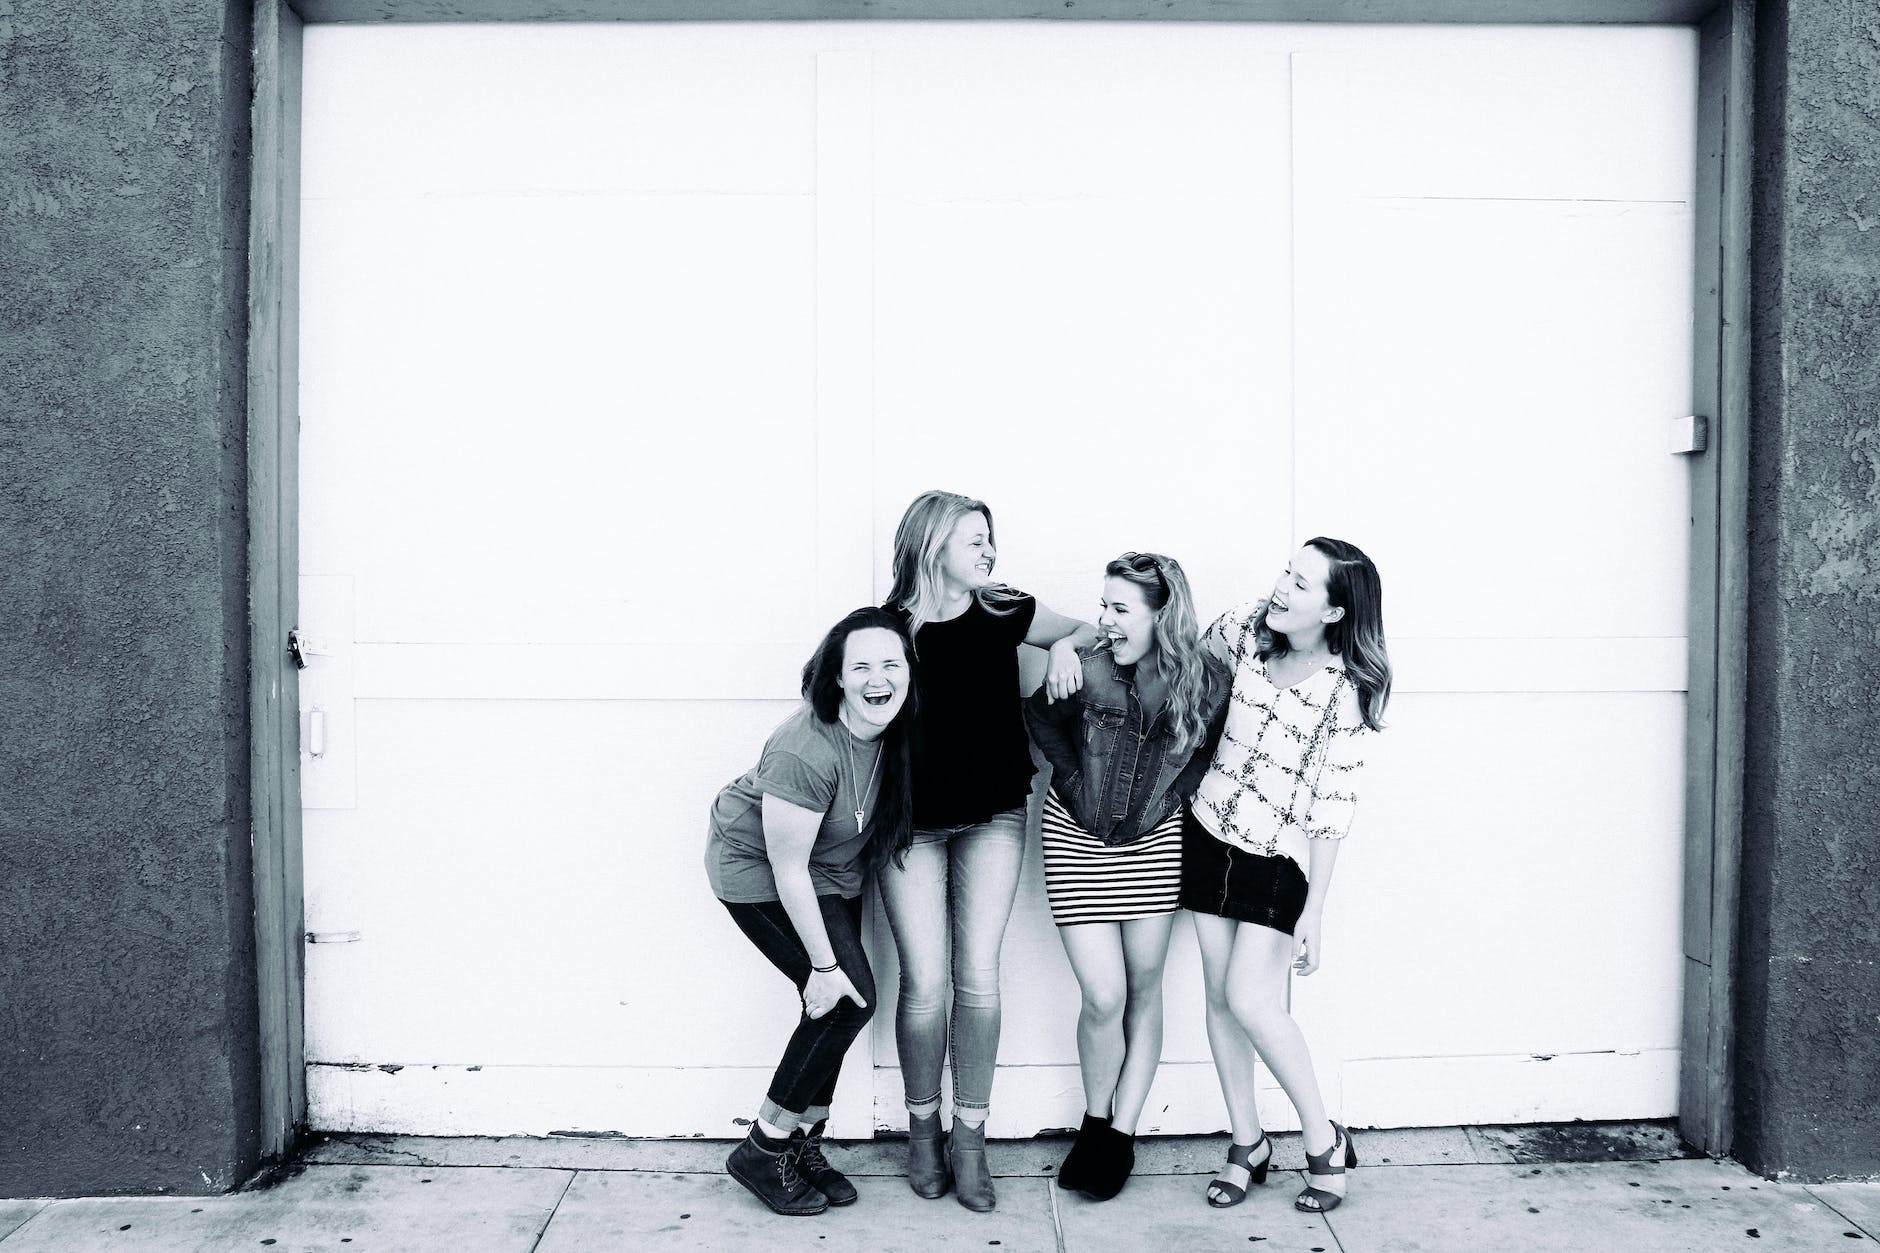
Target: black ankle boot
[771, 1175]
[813, 1166]
[1111, 1160]
[1076, 1168]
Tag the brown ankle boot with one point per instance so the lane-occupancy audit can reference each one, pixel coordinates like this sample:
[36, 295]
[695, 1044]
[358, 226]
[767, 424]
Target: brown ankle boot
[972, 1180]
[926, 1157]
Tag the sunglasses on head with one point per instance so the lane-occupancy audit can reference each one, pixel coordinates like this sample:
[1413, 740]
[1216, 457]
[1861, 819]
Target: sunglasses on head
[1143, 563]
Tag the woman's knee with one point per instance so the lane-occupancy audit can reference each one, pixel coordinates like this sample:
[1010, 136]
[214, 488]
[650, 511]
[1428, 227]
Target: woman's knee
[923, 985]
[1214, 994]
[1144, 996]
[1255, 1008]
[848, 1014]
[923, 956]
[1104, 1004]
[922, 999]
[976, 985]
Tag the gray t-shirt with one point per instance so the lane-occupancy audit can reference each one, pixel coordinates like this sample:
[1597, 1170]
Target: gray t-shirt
[810, 763]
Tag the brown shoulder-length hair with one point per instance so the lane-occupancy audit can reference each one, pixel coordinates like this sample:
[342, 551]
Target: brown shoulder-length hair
[1351, 584]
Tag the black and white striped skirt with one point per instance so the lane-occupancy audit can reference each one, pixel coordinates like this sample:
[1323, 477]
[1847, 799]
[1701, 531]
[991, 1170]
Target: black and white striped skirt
[1087, 880]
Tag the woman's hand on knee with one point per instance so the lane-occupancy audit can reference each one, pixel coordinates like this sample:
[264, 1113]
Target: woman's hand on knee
[825, 989]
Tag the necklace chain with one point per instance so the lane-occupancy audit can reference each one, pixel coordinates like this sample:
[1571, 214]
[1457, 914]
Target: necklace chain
[856, 791]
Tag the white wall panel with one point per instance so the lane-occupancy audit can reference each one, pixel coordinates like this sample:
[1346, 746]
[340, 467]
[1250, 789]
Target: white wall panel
[518, 406]
[1529, 392]
[1504, 891]
[1559, 113]
[528, 881]
[1083, 294]
[624, 347]
[1516, 345]
[432, 111]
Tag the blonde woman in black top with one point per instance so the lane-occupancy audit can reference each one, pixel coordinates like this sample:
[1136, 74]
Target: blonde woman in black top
[957, 873]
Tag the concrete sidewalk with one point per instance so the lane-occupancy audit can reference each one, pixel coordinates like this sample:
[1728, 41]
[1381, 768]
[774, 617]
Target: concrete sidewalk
[1512, 1190]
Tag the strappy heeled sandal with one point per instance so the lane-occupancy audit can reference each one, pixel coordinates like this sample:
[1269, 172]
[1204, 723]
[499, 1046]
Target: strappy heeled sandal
[1240, 1156]
[1315, 1200]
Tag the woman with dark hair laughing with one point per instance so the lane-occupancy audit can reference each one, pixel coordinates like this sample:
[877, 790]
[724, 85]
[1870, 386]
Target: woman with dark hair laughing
[785, 855]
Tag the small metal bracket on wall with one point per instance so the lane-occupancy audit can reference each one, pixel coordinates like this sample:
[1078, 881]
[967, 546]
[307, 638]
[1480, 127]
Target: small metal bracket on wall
[1689, 435]
[300, 647]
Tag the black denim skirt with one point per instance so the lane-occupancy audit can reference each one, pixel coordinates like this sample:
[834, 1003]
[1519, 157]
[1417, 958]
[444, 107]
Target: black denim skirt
[1228, 881]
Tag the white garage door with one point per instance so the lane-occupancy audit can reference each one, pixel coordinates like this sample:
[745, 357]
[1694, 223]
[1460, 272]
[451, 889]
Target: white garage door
[623, 347]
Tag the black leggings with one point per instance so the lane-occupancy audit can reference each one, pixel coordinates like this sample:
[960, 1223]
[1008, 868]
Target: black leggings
[805, 1081]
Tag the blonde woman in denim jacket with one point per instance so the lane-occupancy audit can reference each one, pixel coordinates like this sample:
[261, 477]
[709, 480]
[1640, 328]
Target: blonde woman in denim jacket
[1126, 751]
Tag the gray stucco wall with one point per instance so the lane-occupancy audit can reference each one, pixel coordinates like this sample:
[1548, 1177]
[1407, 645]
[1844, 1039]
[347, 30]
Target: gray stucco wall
[127, 1022]
[1808, 1039]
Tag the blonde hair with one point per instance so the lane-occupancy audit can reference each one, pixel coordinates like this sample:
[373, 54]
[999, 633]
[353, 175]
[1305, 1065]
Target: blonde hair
[923, 532]
[1177, 640]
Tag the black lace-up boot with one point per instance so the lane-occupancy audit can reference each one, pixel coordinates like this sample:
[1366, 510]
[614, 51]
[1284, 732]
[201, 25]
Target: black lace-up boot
[813, 1166]
[768, 1168]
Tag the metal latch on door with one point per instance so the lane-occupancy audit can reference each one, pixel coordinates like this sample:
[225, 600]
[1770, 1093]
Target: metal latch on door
[300, 648]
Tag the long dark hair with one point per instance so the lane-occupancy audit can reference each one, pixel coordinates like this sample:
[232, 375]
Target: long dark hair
[924, 529]
[1165, 590]
[891, 826]
[1351, 584]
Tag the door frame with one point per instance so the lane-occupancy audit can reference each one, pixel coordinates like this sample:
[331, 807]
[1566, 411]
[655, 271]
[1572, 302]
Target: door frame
[1718, 593]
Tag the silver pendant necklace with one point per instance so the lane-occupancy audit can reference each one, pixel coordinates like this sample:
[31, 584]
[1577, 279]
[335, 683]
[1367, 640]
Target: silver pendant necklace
[855, 776]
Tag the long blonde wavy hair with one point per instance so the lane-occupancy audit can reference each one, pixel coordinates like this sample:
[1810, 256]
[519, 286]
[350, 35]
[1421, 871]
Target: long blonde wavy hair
[923, 532]
[1177, 640]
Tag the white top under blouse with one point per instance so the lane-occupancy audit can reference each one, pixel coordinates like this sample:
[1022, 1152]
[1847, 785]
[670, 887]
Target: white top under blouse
[1290, 759]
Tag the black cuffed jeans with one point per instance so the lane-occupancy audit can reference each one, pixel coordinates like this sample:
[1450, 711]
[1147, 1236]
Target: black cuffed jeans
[805, 1080]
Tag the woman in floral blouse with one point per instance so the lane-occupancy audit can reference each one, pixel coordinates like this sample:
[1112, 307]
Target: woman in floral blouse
[1311, 679]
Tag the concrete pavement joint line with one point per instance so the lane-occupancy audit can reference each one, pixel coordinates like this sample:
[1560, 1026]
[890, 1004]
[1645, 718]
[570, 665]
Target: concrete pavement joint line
[1474, 1141]
[30, 1220]
[1057, 1219]
[1325, 1218]
[1147, 1174]
[1832, 1208]
[603, 1170]
[552, 1211]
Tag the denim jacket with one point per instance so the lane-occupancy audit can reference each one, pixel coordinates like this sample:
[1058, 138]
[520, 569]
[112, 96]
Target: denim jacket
[1113, 771]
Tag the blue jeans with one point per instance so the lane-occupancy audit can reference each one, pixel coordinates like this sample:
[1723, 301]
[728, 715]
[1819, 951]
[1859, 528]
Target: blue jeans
[805, 1079]
[956, 881]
